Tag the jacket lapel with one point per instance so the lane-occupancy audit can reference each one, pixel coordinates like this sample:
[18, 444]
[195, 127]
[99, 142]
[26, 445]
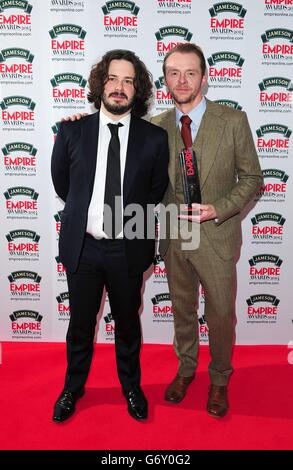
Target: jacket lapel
[135, 145]
[90, 134]
[208, 139]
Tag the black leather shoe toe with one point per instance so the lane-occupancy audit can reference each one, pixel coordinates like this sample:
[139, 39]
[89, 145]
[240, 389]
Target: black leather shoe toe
[65, 405]
[137, 403]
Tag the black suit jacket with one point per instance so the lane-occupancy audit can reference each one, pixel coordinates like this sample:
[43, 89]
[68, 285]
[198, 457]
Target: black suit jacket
[73, 171]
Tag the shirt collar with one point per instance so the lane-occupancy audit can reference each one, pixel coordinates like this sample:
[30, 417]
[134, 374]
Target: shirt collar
[195, 114]
[125, 120]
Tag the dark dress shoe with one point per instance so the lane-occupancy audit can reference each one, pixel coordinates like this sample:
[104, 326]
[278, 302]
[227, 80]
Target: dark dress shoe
[177, 389]
[137, 403]
[217, 402]
[65, 405]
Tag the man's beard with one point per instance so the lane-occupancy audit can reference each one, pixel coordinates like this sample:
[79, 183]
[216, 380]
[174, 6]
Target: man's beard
[117, 109]
[186, 100]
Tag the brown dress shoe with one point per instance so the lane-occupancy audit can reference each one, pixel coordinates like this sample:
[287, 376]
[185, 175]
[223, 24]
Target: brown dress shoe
[217, 402]
[177, 389]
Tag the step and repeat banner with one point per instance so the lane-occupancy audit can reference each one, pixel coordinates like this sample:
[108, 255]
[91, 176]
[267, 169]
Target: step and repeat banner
[47, 49]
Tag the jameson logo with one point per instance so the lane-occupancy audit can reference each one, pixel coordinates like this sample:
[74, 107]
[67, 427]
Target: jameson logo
[19, 69]
[273, 100]
[109, 327]
[162, 313]
[24, 285]
[159, 270]
[225, 69]
[276, 146]
[229, 103]
[63, 305]
[268, 227]
[265, 269]
[23, 245]
[278, 7]
[19, 22]
[19, 159]
[281, 49]
[17, 119]
[227, 20]
[174, 6]
[26, 324]
[18, 203]
[163, 97]
[72, 46]
[121, 24]
[72, 96]
[60, 269]
[273, 191]
[57, 218]
[16, 52]
[180, 34]
[268, 309]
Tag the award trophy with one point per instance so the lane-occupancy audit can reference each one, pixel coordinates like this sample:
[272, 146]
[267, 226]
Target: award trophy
[190, 178]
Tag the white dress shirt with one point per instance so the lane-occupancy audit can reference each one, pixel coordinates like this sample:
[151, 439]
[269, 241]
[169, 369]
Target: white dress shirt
[96, 207]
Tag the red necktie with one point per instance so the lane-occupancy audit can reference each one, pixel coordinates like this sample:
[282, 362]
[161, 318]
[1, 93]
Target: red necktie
[186, 131]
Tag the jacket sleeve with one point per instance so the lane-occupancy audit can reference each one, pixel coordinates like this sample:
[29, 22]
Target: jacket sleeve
[249, 175]
[60, 165]
[160, 171]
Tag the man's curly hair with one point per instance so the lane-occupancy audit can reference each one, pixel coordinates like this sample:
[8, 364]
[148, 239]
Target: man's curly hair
[142, 81]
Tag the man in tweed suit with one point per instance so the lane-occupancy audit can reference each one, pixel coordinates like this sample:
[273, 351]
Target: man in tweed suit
[230, 175]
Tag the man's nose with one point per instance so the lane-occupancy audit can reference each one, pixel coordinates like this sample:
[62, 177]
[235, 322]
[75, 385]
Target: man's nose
[182, 78]
[119, 85]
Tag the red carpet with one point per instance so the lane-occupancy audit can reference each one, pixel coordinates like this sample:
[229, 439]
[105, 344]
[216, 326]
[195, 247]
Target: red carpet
[260, 395]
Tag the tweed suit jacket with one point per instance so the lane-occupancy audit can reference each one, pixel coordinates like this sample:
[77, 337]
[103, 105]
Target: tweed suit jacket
[229, 172]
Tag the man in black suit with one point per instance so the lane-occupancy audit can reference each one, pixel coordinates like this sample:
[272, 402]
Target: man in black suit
[95, 250]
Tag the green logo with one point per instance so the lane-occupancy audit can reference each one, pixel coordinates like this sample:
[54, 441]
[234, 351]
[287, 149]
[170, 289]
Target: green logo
[272, 299]
[160, 83]
[67, 28]
[16, 52]
[21, 191]
[277, 33]
[17, 100]
[26, 314]
[19, 147]
[24, 275]
[22, 233]
[265, 258]
[273, 128]
[273, 173]
[173, 31]
[23, 4]
[230, 103]
[161, 298]
[268, 216]
[68, 77]
[276, 81]
[120, 5]
[230, 7]
[62, 297]
[225, 56]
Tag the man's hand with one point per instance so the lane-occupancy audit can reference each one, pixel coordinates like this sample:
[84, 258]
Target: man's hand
[74, 117]
[199, 213]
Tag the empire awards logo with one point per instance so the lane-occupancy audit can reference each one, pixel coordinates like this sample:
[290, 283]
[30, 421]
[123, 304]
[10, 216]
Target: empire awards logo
[120, 19]
[67, 42]
[159, 271]
[15, 18]
[14, 116]
[24, 285]
[63, 306]
[278, 7]
[267, 228]
[162, 313]
[68, 91]
[19, 159]
[168, 37]
[276, 95]
[174, 6]
[21, 202]
[229, 103]
[26, 324]
[277, 46]
[60, 270]
[273, 140]
[275, 189]
[203, 330]
[227, 21]
[23, 245]
[67, 6]
[57, 218]
[262, 308]
[225, 69]
[109, 332]
[163, 97]
[265, 269]
[16, 66]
